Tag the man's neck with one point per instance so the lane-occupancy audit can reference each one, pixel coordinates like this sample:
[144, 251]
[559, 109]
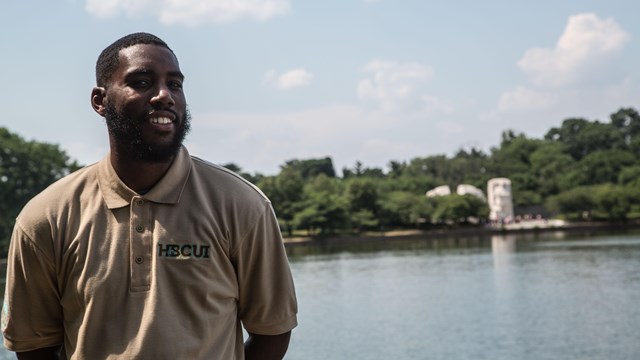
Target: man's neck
[139, 176]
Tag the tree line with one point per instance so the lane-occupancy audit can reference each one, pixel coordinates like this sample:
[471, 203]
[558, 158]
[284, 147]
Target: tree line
[581, 170]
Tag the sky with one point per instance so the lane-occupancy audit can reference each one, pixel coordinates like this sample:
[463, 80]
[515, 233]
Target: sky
[374, 81]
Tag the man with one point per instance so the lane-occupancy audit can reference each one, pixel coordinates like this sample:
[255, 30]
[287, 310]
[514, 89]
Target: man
[150, 253]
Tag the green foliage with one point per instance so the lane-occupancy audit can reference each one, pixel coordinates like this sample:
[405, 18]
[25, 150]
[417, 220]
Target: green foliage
[630, 175]
[603, 166]
[26, 168]
[402, 209]
[360, 171]
[575, 204]
[322, 208]
[459, 208]
[612, 202]
[285, 192]
[514, 154]
[362, 194]
[581, 137]
[548, 164]
[312, 167]
[363, 219]
[470, 167]
[581, 170]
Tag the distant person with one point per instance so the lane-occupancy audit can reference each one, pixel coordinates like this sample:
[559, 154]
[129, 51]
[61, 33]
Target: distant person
[150, 253]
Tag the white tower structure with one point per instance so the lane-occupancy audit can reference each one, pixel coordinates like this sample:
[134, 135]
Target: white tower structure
[499, 199]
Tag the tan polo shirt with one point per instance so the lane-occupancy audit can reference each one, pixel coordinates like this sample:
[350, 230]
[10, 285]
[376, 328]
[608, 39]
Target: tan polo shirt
[171, 274]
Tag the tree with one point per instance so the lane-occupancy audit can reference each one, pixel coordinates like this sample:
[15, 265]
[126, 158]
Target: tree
[396, 168]
[603, 166]
[285, 192]
[575, 204]
[362, 201]
[513, 155]
[548, 163]
[581, 137]
[396, 208]
[312, 167]
[459, 208]
[613, 202]
[630, 175]
[564, 172]
[360, 171]
[627, 122]
[26, 168]
[469, 167]
[322, 209]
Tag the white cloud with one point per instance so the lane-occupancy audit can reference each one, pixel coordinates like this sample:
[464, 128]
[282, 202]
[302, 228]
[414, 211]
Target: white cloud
[109, 8]
[580, 66]
[587, 44]
[288, 80]
[450, 127]
[392, 83]
[523, 98]
[191, 12]
[435, 105]
[347, 133]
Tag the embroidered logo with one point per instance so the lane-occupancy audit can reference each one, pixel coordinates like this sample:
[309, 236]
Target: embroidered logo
[183, 251]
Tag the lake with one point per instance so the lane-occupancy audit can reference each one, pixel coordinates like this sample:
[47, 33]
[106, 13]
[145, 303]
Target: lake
[550, 296]
[546, 296]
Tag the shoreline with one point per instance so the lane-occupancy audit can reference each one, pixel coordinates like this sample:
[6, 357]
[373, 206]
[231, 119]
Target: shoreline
[433, 234]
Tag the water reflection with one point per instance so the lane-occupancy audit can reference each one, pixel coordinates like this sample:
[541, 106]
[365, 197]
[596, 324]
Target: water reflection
[502, 248]
[328, 247]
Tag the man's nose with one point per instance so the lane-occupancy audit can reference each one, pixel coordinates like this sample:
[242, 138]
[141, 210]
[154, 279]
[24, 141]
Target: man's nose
[163, 96]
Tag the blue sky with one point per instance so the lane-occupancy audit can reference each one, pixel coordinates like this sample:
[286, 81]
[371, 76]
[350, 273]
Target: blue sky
[374, 81]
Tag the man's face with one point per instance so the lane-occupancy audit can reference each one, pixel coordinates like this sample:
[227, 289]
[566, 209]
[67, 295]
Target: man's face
[145, 107]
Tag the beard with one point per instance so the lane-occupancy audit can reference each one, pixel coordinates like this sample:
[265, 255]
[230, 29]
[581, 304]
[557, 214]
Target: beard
[129, 139]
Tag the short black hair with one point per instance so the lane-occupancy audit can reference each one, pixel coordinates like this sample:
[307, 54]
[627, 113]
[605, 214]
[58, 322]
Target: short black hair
[108, 60]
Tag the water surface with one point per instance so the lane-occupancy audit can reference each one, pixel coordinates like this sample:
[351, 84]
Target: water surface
[544, 297]
[550, 296]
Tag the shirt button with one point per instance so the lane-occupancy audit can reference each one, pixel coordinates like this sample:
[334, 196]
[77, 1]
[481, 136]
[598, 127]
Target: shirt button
[139, 260]
[139, 202]
[139, 228]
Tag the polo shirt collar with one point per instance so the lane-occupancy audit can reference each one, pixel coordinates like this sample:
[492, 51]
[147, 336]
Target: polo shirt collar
[167, 191]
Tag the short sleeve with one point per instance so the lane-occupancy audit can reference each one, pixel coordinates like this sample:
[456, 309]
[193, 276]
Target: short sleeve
[267, 302]
[31, 313]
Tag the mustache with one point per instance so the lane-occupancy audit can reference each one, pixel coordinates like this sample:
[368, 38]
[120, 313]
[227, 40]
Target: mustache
[175, 114]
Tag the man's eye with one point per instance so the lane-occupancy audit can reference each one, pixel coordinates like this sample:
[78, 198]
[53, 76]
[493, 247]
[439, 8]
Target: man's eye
[140, 83]
[175, 84]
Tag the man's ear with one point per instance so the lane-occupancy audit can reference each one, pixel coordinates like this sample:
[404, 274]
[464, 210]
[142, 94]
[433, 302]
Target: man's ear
[98, 96]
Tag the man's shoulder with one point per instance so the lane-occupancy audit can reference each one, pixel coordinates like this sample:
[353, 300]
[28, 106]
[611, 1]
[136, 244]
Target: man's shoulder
[223, 179]
[61, 194]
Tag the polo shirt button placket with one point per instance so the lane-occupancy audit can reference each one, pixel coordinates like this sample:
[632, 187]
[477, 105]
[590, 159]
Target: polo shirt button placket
[141, 240]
